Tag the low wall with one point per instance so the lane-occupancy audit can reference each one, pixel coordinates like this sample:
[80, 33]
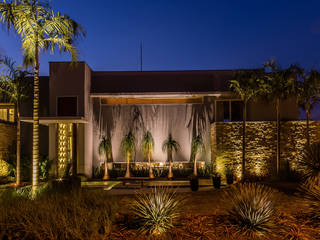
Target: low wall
[261, 145]
[7, 138]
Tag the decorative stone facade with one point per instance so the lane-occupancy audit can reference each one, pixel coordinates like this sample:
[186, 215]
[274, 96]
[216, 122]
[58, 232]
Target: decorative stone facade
[226, 145]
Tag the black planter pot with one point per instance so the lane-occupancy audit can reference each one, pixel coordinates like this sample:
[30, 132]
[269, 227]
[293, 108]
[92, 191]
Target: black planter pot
[216, 181]
[194, 184]
[229, 178]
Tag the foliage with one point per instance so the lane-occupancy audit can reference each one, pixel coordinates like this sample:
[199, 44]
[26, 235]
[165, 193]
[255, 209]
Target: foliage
[157, 211]
[170, 145]
[147, 145]
[105, 148]
[197, 146]
[45, 166]
[252, 208]
[68, 215]
[128, 144]
[310, 161]
[311, 189]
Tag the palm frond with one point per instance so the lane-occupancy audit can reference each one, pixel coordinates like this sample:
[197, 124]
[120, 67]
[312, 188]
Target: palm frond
[128, 144]
[147, 144]
[197, 146]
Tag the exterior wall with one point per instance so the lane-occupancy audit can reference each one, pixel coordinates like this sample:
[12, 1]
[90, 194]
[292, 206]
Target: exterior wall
[226, 145]
[8, 136]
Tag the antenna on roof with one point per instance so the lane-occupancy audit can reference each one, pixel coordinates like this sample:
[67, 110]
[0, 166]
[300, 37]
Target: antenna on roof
[141, 56]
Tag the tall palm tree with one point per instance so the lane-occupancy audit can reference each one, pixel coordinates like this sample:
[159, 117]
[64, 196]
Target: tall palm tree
[197, 146]
[15, 85]
[170, 145]
[105, 151]
[308, 94]
[281, 85]
[147, 150]
[128, 147]
[40, 29]
[247, 85]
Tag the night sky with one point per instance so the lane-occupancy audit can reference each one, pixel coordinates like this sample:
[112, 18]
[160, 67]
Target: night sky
[188, 34]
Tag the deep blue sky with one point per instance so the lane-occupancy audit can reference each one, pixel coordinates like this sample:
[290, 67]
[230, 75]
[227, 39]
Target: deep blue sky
[188, 34]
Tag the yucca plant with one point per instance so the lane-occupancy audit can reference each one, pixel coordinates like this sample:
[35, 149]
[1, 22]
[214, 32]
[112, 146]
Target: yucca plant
[147, 149]
[128, 147]
[310, 161]
[311, 189]
[157, 211]
[170, 145]
[197, 146]
[252, 208]
[105, 151]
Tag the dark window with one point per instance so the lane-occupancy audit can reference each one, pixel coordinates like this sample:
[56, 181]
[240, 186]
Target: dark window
[67, 106]
[236, 110]
[223, 111]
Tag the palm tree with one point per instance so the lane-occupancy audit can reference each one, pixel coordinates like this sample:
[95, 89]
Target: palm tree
[40, 29]
[128, 147]
[15, 85]
[105, 151]
[170, 145]
[247, 85]
[197, 146]
[147, 150]
[280, 85]
[308, 94]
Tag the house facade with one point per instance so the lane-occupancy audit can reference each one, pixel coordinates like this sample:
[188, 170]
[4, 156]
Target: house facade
[79, 106]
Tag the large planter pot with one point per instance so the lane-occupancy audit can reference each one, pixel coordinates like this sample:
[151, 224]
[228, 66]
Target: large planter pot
[216, 181]
[230, 178]
[194, 184]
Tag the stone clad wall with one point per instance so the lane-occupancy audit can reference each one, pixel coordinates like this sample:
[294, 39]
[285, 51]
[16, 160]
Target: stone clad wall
[226, 144]
[7, 138]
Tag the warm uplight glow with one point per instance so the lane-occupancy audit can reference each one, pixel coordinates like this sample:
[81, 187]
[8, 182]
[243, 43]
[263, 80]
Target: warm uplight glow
[64, 146]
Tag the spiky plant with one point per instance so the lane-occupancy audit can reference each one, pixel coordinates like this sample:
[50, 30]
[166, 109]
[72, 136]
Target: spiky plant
[170, 145]
[147, 149]
[128, 147]
[311, 188]
[105, 151]
[197, 146]
[310, 161]
[157, 211]
[252, 208]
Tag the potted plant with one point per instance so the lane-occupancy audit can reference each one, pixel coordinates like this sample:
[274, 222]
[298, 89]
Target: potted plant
[194, 183]
[105, 151]
[216, 180]
[197, 146]
[170, 145]
[229, 175]
[128, 147]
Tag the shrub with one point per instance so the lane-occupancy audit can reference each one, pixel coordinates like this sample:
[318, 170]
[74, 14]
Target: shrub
[157, 211]
[54, 216]
[252, 208]
[311, 188]
[310, 161]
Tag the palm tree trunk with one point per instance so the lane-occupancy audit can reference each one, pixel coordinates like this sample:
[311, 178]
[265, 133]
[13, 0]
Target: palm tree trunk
[18, 180]
[170, 174]
[244, 139]
[106, 173]
[35, 140]
[151, 175]
[128, 166]
[278, 135]
[308, 125]
[195, 166]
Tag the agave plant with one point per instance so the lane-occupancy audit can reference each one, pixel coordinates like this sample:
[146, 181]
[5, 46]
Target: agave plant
[170, 145]
[252, 208]
[157, 211]
[311, 188]
[311, 160]
[128, 147]
[105, 151]
[147, 150]
[197, 146]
